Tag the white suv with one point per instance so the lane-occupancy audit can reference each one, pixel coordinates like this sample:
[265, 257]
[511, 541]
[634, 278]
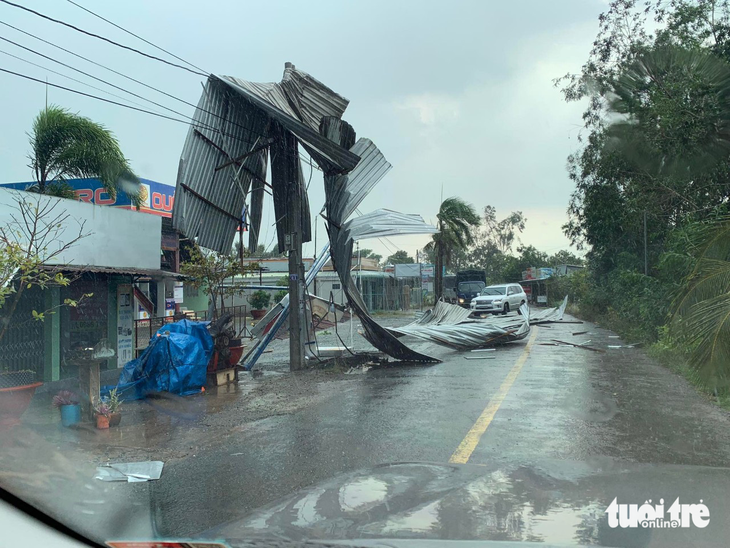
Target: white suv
[499, 298]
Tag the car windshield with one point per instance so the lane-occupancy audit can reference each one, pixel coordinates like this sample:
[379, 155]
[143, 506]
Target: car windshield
[494, 291]
[260, 269]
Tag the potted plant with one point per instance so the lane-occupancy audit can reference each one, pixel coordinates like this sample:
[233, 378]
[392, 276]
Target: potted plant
[68, 403]
[115, 406]
[16, 391]
[259, 301]
[102, 413]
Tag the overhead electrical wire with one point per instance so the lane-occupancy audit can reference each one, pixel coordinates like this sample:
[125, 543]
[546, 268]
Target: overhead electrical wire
[112, 23]
[99, 37]
[94, 77]
[93, 96]
[69, 77]
[196, 107]
[189, 121]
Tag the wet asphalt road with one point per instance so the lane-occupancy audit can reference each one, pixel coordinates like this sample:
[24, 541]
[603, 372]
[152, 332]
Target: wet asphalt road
[567, 404]
[234, 450]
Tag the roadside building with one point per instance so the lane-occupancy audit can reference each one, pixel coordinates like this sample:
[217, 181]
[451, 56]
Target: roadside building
[118, 264]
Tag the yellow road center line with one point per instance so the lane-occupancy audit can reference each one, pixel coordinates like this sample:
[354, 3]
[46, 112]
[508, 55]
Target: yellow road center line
[471, 440]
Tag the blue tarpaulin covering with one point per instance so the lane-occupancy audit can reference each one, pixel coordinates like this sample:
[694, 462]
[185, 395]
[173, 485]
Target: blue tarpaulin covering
[175, 361]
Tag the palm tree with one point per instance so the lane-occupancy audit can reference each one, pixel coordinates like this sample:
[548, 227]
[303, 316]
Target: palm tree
[702, 312]
[66, 145]
[455, 221]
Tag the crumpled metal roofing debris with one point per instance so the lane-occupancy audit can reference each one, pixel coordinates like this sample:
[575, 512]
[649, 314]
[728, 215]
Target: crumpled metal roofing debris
[549, 315]
[344, 194]
[470, 334]
[450, 325]
[225, 153]
[442, 313]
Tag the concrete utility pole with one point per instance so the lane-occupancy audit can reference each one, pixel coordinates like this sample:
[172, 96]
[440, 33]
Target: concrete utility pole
[285, 176]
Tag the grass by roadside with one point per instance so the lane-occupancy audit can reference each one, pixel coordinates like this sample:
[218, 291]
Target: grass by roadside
[664, 352]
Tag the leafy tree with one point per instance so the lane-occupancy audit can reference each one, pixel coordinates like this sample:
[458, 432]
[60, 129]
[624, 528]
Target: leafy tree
[214, 273]
[65, 145]
[400, 257]
[456, 221]
[260, 253]
[564, 257]
[369, 254]
[651, 61]
[29, 243]
[493, 243]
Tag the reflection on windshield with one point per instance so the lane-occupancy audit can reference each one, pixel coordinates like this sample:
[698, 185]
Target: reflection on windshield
[228, 295]
[493, 291]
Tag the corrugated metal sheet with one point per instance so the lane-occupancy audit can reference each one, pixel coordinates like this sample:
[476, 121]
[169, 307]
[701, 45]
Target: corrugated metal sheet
[225, 119]
[328, 155]
[310, 98]
[233, 117]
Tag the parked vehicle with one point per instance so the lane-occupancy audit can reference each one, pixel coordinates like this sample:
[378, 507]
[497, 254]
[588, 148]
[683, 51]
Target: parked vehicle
[467, 291]
[469, 284]
[499, 298]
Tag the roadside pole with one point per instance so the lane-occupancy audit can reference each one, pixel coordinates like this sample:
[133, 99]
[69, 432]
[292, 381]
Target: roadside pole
[296, 315]
[285, 171]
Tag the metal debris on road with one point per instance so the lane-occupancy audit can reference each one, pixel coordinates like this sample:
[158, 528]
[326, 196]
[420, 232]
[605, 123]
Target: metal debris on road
[480, 358]
[472, 334]
[131, 472]
[578, 345]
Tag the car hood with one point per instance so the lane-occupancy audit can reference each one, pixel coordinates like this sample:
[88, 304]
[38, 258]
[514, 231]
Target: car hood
[489, 297]
[561, 503]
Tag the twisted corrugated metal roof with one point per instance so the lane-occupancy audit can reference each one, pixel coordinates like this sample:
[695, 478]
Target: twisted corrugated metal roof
[233, 118]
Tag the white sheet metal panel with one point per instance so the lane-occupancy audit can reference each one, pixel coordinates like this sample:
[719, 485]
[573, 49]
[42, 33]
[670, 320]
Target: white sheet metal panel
[115, 238]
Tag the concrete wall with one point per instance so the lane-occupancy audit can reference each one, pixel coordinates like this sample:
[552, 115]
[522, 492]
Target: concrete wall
[115, 238]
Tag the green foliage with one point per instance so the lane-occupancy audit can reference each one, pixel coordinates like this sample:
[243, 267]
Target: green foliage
[214, 273]
[369, 254]
[456, 221]
[279, 295]
[114, 401]
[65, 145]
[656, 157]
[260, 252]
[400, 257]
[259, 300]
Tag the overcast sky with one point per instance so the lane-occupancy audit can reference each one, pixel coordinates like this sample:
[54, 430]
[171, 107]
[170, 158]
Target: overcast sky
[458, 95]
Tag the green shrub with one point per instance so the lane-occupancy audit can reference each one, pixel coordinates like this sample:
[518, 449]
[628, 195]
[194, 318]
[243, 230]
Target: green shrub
[259, 300]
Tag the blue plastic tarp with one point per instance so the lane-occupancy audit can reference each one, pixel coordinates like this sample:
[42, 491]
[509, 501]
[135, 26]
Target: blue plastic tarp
[176, 361]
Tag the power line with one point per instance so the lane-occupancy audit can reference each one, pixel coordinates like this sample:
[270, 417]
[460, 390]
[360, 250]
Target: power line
[93, 96]
[77, 29]
[135, 35]
[196, 107]
[192, 122]
[197, 123]
[93, 77]
[68, 77]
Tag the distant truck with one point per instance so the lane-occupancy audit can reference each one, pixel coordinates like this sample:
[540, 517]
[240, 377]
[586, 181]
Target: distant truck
[449, 293]
[469, 284]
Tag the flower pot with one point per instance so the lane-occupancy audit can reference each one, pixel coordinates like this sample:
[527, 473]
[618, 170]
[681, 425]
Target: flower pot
[236, 353]
[258, 314]
[13, 402]
[102, 422]
[70, 414]
[115, 419]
